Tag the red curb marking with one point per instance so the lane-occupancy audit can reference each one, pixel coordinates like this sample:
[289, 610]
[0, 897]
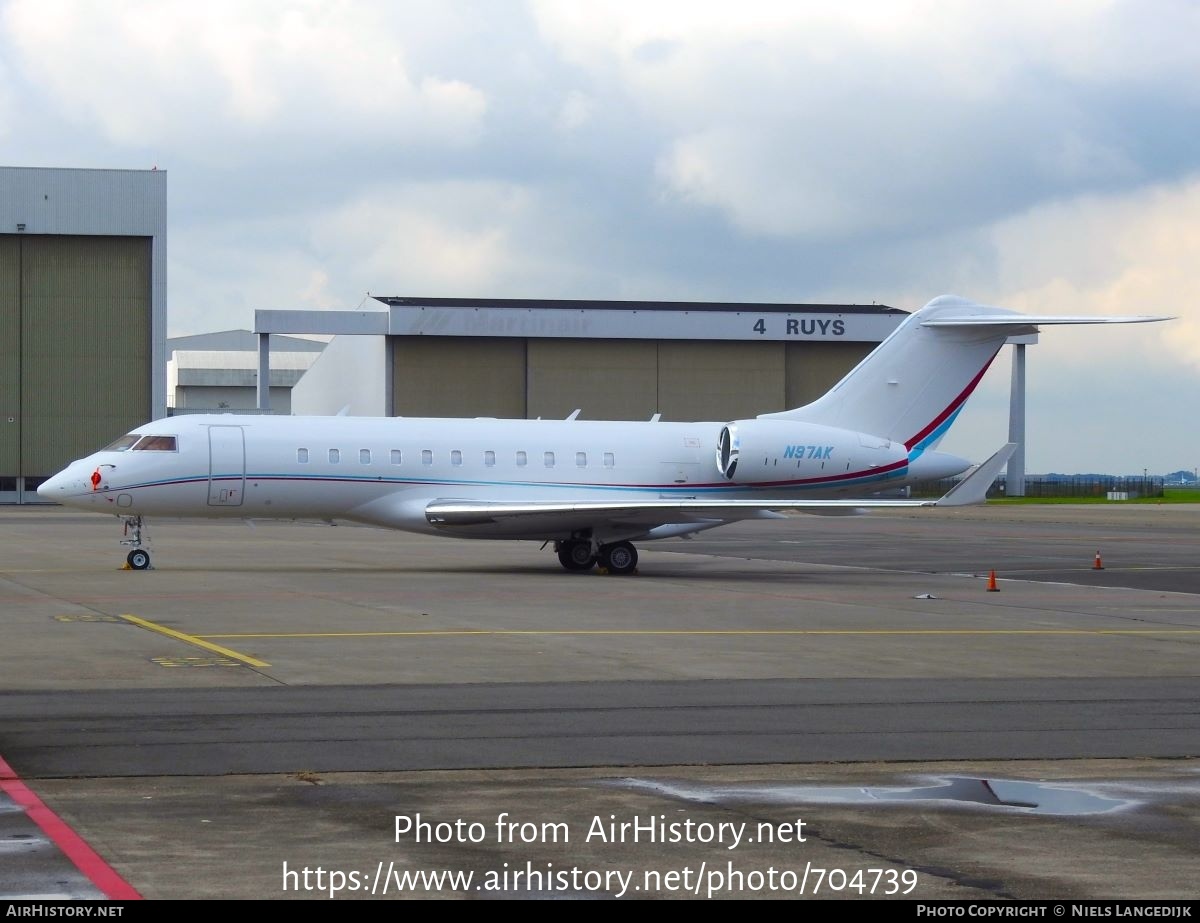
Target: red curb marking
[86, 859]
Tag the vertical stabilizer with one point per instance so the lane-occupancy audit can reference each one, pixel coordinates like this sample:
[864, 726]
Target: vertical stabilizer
[912, 386]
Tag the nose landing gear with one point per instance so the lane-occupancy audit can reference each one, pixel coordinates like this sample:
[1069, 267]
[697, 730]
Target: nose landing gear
[139, 557]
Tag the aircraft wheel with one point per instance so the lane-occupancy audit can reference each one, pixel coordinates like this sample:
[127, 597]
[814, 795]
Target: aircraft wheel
[576, 555]
[619, 558]
[138, 559]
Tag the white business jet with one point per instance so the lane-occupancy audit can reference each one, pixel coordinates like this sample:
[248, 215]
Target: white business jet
[591, 488]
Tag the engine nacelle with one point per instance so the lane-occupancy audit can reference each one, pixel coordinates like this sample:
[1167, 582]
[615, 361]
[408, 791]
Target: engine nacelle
[785, 451]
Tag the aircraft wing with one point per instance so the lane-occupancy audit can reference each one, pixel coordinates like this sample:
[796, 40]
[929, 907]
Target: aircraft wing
[553, 515]
[579, 515]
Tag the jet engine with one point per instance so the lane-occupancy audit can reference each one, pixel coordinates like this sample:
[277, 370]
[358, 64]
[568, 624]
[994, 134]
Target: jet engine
[783, 451]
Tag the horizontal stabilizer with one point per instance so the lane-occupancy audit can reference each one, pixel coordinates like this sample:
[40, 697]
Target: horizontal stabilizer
[974, 487]
[1033, 320]
[911, 387]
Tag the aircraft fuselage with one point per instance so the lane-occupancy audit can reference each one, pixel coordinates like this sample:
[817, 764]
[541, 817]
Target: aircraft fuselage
[386, 470]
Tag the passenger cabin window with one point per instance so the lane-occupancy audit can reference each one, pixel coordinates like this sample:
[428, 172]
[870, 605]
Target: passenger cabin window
[609, 460]
[581, 459]
[522, 458]
[456, 457]
[489, 458]
[396, 457]
[548, 458]
[302, 456]
[427, 456]
[124, 444]
[364, 456]
[156, 444]
[335, 456]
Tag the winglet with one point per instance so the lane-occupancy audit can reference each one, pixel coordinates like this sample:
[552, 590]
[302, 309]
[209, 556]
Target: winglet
[974, 487]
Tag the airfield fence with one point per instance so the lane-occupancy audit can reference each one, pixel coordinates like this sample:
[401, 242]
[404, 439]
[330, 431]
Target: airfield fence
[1082, 486]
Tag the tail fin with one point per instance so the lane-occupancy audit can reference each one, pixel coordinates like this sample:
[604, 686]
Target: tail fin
[913, 385]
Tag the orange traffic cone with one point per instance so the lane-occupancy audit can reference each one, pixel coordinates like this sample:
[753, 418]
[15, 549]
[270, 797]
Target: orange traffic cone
[992, 588]
[1097, 565]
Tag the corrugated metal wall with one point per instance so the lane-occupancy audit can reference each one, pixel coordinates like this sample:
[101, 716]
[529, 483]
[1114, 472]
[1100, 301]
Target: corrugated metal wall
[611, 379]
[607, 379]
[709, 380]
[84, 335]
[10, 356]
[458, 377]
[813, 368]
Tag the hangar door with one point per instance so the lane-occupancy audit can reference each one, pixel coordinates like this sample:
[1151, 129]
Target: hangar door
[75, 320]
[10, 367]
[458, 377]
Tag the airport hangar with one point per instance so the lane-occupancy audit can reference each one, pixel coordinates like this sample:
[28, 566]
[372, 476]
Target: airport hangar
[83, 308]
[613, 360]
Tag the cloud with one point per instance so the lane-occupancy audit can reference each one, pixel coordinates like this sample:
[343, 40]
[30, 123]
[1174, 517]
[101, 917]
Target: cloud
[8, 106]
[795, 120]
[1133, 253]
[422, 237]
[456, 238]
[1098, 396]
[577, 110]
[217, 77]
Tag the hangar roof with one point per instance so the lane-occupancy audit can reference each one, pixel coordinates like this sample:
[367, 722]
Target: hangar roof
[240, 340]
[408, 301]
[408, 316]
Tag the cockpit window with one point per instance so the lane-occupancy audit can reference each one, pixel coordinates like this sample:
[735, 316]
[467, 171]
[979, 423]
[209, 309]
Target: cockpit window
[156, 444]
[123, 444]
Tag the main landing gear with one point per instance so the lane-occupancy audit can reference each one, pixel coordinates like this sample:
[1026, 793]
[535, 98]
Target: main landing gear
[578, 554]
[139, 557]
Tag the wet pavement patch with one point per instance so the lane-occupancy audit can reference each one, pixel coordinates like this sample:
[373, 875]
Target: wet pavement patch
[1051, 798]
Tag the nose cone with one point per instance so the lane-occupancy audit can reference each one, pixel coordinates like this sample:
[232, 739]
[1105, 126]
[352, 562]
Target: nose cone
[53, 488]
[64, 487]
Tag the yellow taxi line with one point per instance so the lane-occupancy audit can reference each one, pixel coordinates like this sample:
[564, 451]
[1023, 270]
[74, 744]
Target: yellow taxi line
[194, 641]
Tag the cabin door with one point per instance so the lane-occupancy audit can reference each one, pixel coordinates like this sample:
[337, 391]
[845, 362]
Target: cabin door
[226, 466]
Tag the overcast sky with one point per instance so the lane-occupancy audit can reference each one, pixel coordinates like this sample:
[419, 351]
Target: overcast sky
[1040, 156]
